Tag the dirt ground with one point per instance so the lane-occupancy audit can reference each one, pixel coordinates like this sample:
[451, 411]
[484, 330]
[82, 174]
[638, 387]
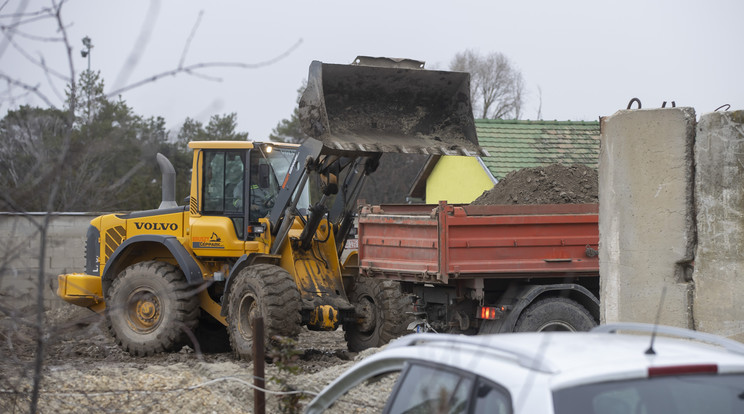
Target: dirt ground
[553, 184]
[85, 371]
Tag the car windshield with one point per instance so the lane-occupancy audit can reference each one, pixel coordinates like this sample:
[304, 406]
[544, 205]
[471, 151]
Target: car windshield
[682, 394]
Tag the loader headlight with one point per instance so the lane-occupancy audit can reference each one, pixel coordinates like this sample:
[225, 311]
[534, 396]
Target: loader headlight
[256, 229]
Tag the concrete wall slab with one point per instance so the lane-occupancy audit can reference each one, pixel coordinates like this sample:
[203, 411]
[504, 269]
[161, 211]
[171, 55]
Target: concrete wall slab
[646, 219]
[719, 200]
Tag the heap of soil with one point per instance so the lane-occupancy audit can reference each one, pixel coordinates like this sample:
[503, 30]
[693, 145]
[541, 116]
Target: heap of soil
[553, 184]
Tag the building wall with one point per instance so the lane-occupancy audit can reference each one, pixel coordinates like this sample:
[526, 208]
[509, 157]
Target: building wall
[22, 270]
[458, 180]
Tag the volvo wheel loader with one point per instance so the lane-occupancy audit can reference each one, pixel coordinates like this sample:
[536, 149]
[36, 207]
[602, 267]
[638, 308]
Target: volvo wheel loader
[250, 241]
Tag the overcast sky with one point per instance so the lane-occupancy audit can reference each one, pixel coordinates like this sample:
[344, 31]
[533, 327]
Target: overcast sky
[589, 58]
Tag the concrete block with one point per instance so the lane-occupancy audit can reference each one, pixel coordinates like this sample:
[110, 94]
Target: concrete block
[719, 199]
[646, 219]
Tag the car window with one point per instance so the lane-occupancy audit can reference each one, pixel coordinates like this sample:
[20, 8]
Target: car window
[491, 398]
[426, 389]
[370, 396]
[683, 394]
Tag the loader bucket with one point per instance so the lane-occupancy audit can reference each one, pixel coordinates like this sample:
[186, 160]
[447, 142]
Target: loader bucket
[362, 108]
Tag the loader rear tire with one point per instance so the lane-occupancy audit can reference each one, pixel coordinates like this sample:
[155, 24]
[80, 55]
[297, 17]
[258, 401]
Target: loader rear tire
[151, 308]
[262, 290]
[383, 313]
[555, 314]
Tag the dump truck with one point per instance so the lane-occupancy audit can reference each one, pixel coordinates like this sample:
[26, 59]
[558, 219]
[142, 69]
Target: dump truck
[487, 268]
[249, 240]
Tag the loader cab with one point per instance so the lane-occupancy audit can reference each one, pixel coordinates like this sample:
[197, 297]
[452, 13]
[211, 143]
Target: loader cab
[240, 181]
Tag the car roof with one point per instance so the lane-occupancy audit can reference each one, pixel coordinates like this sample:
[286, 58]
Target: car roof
[571, 358]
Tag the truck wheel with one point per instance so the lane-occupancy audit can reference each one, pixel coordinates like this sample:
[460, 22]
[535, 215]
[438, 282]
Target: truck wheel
[555, 314]
[150, 308]
[381, 310]
[264, 290]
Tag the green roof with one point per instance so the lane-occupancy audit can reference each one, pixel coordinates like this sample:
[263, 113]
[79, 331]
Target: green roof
[514, 144]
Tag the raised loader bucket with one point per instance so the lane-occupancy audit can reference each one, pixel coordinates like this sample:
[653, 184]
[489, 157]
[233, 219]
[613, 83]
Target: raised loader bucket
[363, 108]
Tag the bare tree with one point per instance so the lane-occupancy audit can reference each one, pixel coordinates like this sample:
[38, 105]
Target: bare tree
[496, 85]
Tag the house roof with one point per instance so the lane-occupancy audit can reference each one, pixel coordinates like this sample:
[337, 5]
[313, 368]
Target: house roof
[515, 144]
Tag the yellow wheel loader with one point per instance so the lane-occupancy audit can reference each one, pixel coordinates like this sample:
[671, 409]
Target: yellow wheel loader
[249, 242]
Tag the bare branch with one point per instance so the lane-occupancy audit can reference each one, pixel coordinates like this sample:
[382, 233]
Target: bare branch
[31, 18]
[52, 84]
[30, 88]
[139, 45]
[190, 68]
[190, 38]
[38, 62]
[41, 277]
[17, 17]
[29, 36]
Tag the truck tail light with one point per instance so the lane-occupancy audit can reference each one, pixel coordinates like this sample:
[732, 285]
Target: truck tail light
[682, 370]
[491, 312]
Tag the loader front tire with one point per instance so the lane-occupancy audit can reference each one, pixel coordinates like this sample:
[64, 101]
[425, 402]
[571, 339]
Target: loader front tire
[151, 308]
[382, 310]
[262, 290]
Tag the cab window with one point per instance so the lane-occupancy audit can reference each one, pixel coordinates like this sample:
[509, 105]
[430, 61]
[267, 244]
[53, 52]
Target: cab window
[224, 189]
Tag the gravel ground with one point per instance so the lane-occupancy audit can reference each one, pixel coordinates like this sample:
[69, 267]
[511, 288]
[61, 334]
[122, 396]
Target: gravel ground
[85, 371]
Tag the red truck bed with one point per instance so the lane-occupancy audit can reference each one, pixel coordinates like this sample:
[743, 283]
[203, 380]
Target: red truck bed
[433, 243]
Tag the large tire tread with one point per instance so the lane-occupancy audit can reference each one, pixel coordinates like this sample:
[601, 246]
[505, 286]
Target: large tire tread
[278, 303]
[392, 313]
[172, 332]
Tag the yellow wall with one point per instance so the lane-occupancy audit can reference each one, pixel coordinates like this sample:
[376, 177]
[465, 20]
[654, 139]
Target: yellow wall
[456, 179]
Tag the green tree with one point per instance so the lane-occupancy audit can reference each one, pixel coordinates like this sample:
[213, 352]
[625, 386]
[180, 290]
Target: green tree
[289, 130]
[109, 157]
[223, 127]
[31, 140]
[219, 128]
[88, 96]
[191, 130]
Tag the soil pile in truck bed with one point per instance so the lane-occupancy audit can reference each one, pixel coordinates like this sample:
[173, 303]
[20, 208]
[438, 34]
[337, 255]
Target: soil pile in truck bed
[553, 184]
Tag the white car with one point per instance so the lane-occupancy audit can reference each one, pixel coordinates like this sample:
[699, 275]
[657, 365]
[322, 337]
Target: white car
[548, 372]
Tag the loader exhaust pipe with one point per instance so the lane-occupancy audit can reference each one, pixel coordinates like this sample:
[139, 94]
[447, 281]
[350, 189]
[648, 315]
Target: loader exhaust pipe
[372, 107]
[168, 199]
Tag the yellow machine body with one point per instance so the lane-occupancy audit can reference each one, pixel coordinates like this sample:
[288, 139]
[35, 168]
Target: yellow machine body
[214, 245]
